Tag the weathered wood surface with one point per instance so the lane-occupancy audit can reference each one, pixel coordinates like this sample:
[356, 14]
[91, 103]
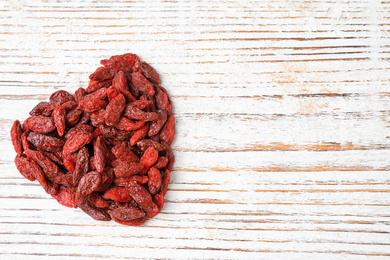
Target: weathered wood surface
[283, 115]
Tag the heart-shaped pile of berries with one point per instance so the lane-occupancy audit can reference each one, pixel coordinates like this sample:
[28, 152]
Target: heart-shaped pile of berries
[105, 149]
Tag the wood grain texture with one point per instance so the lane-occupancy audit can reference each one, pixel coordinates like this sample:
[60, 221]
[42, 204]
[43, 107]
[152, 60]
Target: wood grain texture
[283, 116]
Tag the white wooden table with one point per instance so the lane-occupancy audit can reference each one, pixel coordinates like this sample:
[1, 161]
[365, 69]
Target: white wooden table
[283, 115]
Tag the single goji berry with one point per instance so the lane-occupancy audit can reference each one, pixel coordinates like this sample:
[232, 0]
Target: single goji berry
[146, 143]
[87, 184]
[149, 158]
[44, 142]
[94, 212]
[101, 74]
[82, 165]
[139, 134]
[133, 112]
[140, 179]
[39, 124]
[100, 153]
[42, 109]
[126, 169]
[94, 85]
[22, 164]
[148, 71]
[141, 196]
[92, 105]
[158, 123]
[95, 199]
[16, 137]
[126, 124]
[65, 197]
[142, 84]
[154, 182]
[126, 213]
[118, 194]
[168, 130]
[60, 97]
[75, 142]
[114, 110]
[59, 114]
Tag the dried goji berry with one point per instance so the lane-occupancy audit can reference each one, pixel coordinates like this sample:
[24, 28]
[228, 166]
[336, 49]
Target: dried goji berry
[98, 94]
[79, 94]
[142, 84]
[141, 196]
[77, 129]
[39, 124]
[154, 182]
[94, 85]
[126, 213]
[44, 142]
[59, 119]
[95, 199]
[126, 169]
[98, 117]
[92, 105]
[72, 117]
[121, 151]
[146, 143]
[101, 74]
[133, 112]
[22, 164]
[148, 71]
[118, 194]
[82, 165]
[168, 130]
[100, 153]
[87, 184]
[157, 124]
[140, 179]
[16, 137]
[112, 92]
[65, 197]
[129, 125]
[149, 158]
[94, 212]
[60, 97]
[139, 134]
[114, 110]
[75, 142]
[162, 100]
[42, 109]
[161, 162]
[120, 83]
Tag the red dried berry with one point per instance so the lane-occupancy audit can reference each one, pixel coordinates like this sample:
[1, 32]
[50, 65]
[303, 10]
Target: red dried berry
[101, 74]
[114, 109]
[118, 194]
[65, 197]
[60, 97]
[16, 137]
[39, 124]
[142, 84]
[42, 109]
[148, 71]
[59, 119]
[44, 142]
[126, 213]
[92, 105]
